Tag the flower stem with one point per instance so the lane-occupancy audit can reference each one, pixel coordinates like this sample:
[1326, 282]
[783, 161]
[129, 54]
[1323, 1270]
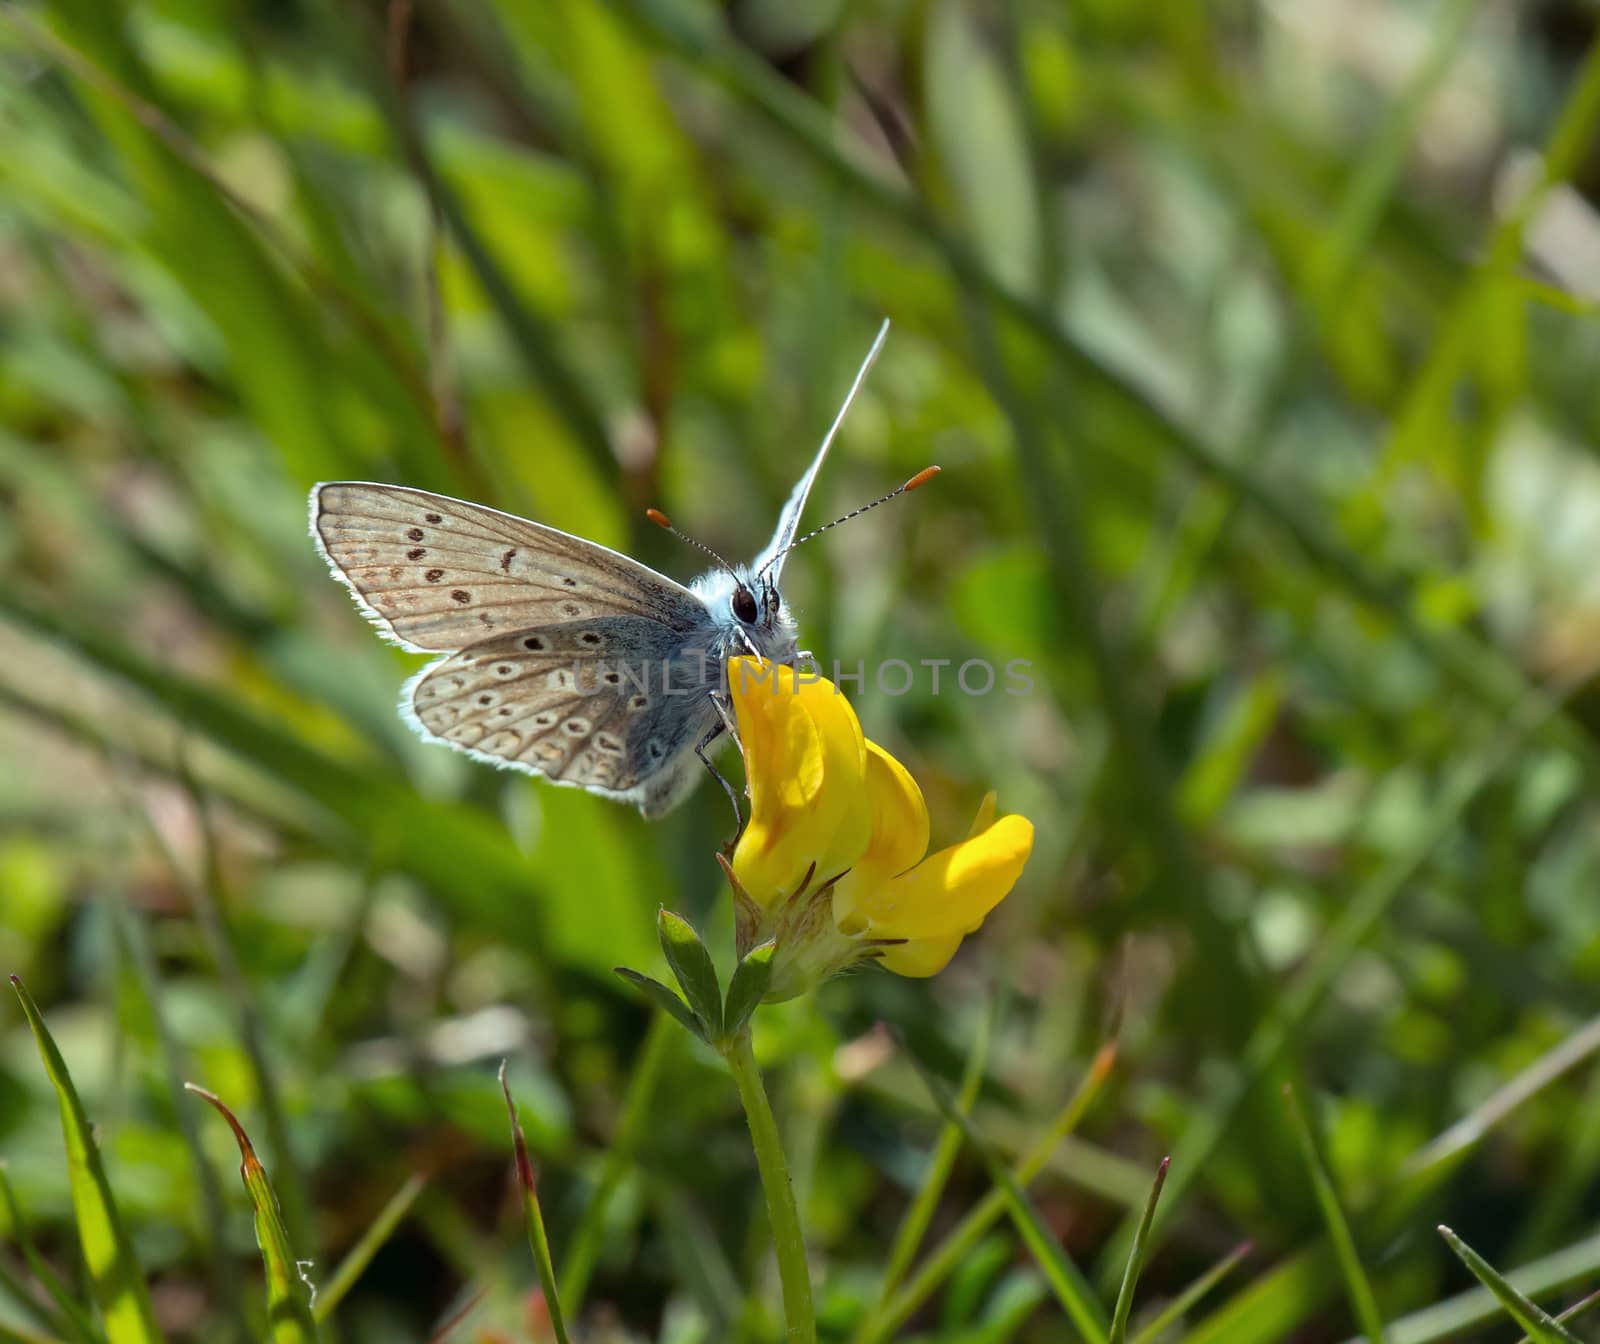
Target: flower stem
[787, 1239]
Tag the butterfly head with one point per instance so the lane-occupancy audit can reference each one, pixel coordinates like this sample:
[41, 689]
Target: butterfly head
[748, 611]
[743, 603]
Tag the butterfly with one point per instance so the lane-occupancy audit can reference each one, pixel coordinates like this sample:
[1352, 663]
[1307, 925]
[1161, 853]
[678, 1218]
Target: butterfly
[561, 657]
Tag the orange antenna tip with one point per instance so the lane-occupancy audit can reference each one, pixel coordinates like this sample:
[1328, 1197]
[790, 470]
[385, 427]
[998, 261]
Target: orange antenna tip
[921, 478]
[661, 520]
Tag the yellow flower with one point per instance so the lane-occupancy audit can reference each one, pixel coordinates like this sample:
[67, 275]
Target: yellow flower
[804, 760]
[832, 863]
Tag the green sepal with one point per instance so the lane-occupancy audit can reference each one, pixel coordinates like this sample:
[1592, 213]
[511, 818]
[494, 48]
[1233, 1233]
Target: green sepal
[691, 963]
[748, 987]
[664, 998]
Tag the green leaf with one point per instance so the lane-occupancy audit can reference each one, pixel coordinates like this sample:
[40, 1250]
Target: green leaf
[663, 997]
[1542, 1328]
[289, 1295]
[748, 986]
[691, 963]
[1130, 1275]
[115, 1279]
[537, 1237]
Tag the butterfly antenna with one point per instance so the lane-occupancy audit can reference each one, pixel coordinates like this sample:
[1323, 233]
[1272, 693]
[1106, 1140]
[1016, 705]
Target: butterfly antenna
[920, 479]
[665, 524]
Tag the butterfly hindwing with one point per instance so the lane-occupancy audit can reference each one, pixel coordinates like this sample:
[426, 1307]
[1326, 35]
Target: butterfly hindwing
[612, 704]
[438, 574]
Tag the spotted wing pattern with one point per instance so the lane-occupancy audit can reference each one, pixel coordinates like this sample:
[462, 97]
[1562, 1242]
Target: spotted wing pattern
[612, 705]
[437, 574]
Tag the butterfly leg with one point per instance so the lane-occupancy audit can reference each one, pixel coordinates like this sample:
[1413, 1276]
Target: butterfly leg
[712, 733]
[724, 709]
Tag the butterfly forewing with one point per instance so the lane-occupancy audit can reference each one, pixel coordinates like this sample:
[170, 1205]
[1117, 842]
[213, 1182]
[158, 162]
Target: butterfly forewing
[439, 574]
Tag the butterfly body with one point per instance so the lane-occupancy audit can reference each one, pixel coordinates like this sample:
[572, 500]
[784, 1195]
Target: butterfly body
[558, 656]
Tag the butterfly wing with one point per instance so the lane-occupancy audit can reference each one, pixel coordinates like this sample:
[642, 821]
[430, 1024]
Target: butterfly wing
[614, 704]
[789, 520]
[563, 659]
[436, 574]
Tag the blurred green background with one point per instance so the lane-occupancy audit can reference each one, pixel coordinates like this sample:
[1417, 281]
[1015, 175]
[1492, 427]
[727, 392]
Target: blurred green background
[1257, 342]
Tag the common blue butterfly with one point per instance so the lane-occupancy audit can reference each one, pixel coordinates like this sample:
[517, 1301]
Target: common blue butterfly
[561, 657]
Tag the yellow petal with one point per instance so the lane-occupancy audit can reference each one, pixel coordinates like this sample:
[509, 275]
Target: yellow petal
[899, 835]
[921, 957]
[805, 766]
[949, 892]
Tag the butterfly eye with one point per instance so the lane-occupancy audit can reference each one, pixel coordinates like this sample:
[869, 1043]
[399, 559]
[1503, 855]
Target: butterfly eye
[744, 604]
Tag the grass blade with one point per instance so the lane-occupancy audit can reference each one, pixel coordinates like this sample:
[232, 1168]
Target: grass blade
[1541, 1327]
[636, 1108]
[1286, 1295]
[289, 1293]
[115, 1279]
[457, 1318]
[1176, 1309]
[1365, 198]
[950, 1252]
[537, 1238]
[15, 1334]
[1446, 1149]
[914, 1226]
[438, 842]
[74, 1322]
[1454, 1316]
[1363, 1302]
[1298, 1005]
[1072, 1290]
[344, 299]
[1571, 1313]
[360, 1255]
[207, 901]
[1130, 1276]
[135, 937]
